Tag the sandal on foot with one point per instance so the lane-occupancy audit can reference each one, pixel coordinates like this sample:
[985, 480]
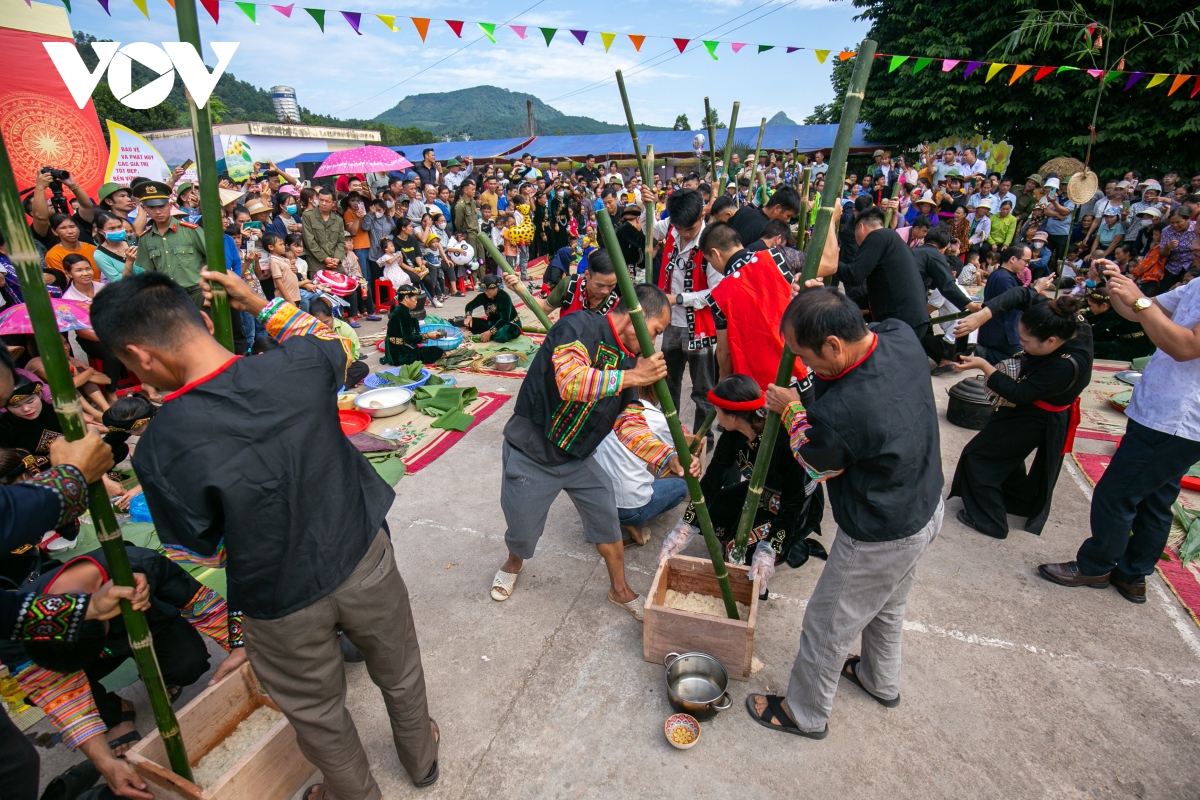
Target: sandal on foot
[124, 739]
[776, 713]
[849, 673]
[72, 783]
[431, 778]
[316, 792]
[503, 585]
[636, 607]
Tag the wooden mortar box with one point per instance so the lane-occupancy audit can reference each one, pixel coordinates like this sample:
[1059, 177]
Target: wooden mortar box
[272, 769]
[668, 630]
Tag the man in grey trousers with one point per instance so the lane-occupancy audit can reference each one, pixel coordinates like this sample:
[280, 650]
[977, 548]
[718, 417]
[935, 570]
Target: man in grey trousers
[872, 436]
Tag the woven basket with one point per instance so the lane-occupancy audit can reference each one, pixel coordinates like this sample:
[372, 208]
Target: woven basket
[1063, 167]
[1082, 186]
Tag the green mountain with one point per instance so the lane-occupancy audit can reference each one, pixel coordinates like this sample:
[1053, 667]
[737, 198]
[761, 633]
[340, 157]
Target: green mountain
[780, 119]
[488, 112]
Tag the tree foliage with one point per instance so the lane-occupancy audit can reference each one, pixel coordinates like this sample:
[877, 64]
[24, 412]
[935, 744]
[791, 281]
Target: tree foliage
[681, 123]
[392, 135]
[716, 120]
[1142, 129]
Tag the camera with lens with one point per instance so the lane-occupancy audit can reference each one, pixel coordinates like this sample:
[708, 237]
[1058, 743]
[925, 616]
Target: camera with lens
[56, 174]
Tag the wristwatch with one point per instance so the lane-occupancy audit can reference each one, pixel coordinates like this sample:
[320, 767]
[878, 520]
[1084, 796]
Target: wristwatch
[679, 299]
[1141, 304]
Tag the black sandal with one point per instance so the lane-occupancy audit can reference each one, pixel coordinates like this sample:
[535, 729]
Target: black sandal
[320, 795]
[72, 783]
[849, 673]
[777, 713]
[434, 773]
[124, 739]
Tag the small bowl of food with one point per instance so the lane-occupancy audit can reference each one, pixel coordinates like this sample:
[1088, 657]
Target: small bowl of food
[505, 361]
[345, 400]
[682, 731]
[386, 402]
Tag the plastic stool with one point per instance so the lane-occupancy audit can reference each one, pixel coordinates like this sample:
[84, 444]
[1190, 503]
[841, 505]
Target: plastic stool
[383, 286]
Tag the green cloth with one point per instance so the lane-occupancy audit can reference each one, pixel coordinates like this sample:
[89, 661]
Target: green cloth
[179, 254]
[446, 403]
[390, 466]
[522, 345]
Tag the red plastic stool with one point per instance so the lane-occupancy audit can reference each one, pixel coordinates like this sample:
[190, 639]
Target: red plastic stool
[383, 286]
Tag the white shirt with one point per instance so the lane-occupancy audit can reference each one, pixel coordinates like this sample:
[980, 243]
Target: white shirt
[978, 168]
[72, 293]
[1167, 398]
[684, 255]
[454, 179]
[632, 481]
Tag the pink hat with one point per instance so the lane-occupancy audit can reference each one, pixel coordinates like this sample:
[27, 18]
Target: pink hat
[287, 188]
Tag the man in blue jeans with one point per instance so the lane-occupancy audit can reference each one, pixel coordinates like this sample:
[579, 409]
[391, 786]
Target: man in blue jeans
[1161, 443]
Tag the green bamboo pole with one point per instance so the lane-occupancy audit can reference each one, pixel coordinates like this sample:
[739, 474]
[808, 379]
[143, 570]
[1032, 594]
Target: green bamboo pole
[712, 140]
[648, 223]
[629, 295]
[501, 262]
[206, 171]
[762, 127]
[802, 227]
[949, 317]
[812, 261]
[637, 148]
[70, 416]
[702, 431]
[728, 148]
[887, 215]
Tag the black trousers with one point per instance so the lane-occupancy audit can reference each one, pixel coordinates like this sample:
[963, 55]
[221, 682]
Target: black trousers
[356, 372]
[19, 763]
[110, 365]
[182, 657]
[1135, 494]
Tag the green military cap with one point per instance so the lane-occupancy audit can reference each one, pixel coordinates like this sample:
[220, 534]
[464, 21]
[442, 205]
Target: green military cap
[109, 189]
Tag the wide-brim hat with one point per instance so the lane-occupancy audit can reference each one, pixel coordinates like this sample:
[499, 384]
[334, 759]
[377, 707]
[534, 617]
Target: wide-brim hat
[1040, 236]
[1152, 212]
[229, 195]
[454, 162]
[1036, 178]
[925, 197]
[183, 187]
[257, 207]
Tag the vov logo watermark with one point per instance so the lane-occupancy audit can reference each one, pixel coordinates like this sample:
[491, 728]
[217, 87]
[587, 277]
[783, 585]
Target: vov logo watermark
[165, 60]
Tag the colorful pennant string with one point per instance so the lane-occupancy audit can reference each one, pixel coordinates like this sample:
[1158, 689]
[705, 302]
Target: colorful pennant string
[489, 30]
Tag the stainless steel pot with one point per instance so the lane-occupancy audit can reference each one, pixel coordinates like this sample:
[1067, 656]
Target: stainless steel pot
[696, 684]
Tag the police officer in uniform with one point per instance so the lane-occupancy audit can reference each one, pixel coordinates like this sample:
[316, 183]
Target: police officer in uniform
[170, 246]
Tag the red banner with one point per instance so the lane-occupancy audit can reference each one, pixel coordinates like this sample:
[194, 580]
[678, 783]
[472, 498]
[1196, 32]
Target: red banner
[40, 123]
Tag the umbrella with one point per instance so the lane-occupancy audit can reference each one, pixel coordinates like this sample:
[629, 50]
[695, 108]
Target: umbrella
[369, 158]
[69, 315]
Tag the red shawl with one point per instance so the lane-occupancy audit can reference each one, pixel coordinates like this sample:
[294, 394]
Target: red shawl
[702, 329]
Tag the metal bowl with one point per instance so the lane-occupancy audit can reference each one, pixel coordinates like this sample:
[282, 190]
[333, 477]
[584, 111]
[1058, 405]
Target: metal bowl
[505, 361]
[696, 684]
[391, 401]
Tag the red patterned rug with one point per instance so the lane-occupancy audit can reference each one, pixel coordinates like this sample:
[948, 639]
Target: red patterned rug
[426, 443]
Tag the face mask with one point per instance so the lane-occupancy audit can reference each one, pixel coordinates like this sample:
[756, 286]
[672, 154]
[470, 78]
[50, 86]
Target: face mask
[390, 203]
[1091, 284]
[1037, 245]
[290, 210]
[114, 236]
[378, 215]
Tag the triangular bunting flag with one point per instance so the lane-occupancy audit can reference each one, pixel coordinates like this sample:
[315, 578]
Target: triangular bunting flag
[896, 61]
[971, 67]
[637, 41]
[1095, 73]
[213, 8]
[548, 34]
[141, 4]
[354, 18]
[66, 3]
[1111, 75]
[489, 30]
[519, 30]
[388, 20]
[992, 70]
[1133, 79]
[422, 26]
[793, 49]
[1068, 69]
[103, 4]
[1195, 88]
[681, 44]
[171, 3]
[846, 55]
[737, 46]
[711, 46]
[1180, 80]
[1158, 78]
[1018, 72]
[1042, 72]
[820, 54]
[762, 48]
[949, 64]
[285, 10]
[580, 35]
[456, 26]
[607, 38]
[319, 15]
[921, 64]
[249, 9]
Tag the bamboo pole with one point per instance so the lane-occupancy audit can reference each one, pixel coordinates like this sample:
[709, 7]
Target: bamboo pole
[887, 215]
[728, 149]
[629, 295]
[648, 223]
[702, 431]
[949, 317]
[206, 171]
[762, 127]
[812, 261]
[712, 140]
[802, 228]
[70, 417]
[637, 148]
[522, 290]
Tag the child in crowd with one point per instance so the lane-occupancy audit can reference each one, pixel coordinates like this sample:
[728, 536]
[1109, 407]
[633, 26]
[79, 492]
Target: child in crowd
[969, 274]
[390, 261]
[295, 244]
[283, 276]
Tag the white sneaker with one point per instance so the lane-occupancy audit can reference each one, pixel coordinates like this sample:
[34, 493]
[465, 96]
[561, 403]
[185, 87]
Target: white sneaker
[437, 303]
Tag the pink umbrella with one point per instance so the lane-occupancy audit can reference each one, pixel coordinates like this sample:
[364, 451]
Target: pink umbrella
[71, 316]
[369, 158]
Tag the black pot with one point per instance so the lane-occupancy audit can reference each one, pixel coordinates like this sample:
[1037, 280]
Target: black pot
[969, 407]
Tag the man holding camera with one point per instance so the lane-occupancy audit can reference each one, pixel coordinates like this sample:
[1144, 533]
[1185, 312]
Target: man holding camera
[40, 209]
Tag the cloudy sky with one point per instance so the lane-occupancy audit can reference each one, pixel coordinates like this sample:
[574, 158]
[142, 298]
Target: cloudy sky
[347, 75]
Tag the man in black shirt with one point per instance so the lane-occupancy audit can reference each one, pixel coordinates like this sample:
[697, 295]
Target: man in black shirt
[872, 436]
[587, 173]
[885, 264]
[935, 272]
[246, 467]
[749, 221]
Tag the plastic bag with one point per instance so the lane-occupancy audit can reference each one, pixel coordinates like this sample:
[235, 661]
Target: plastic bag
[763, 564]
[677, 540]
[138, 510]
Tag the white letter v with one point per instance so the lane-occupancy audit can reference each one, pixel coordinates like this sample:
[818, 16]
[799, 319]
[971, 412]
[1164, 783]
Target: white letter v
[196, 77]
[74, 72]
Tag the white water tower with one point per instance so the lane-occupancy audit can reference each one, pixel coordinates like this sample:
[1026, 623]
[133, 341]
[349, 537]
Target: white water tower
[286, 107]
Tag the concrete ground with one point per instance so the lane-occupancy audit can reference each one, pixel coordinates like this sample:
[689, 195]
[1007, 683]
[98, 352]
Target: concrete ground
[1012, 686]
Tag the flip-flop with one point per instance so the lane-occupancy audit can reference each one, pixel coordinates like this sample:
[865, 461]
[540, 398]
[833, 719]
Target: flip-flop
[503, 585]
[124, 739]
[636, 607]
[777, 712]
[849, 673]
[320, 795]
